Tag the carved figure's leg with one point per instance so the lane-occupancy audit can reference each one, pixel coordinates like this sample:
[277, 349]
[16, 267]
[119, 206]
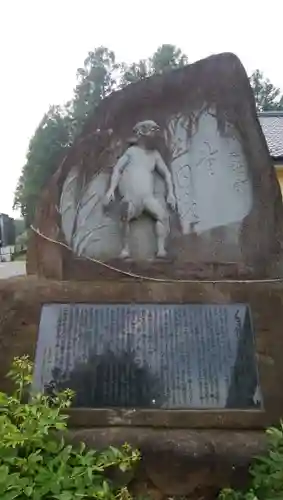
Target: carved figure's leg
[125, 252]
[129, 215]
[156, 210]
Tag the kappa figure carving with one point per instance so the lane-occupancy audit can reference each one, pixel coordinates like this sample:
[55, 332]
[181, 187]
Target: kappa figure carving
[133, 175]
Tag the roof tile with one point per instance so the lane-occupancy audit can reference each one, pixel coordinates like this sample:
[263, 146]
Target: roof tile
[272, 126]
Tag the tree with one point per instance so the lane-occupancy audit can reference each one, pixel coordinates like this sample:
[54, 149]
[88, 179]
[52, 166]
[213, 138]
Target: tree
[134, 72]
[60, 125]
[267, 96]
[46, 149]
[96, 80]
[165, 58]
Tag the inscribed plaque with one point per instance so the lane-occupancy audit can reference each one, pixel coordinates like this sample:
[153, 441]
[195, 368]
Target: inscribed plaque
[169, 356]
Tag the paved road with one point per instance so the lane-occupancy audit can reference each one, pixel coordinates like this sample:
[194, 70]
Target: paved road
[9, 269]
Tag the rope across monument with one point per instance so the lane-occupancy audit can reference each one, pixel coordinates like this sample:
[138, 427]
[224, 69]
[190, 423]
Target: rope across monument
[148, 278]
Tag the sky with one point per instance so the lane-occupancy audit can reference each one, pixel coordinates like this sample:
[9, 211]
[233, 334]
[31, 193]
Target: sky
[42, 43]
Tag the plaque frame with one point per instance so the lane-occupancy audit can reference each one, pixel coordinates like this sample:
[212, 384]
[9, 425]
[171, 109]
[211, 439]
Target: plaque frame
[68, 326]
[193, 293]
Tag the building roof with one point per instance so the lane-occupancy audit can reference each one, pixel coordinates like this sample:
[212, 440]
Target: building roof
[272, 126]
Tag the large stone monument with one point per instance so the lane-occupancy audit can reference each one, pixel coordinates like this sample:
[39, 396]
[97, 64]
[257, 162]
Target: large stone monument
[171, 178]
[156, 292]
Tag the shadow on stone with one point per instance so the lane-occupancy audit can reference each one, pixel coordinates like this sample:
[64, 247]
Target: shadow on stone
[133, 386]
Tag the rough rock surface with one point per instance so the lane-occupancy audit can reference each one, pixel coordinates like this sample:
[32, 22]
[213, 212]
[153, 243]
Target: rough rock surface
[207, 116]
[194, 464]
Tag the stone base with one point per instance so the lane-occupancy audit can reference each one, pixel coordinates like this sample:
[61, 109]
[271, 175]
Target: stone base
[195, 464]
[163, 268]
[192, 453]
[21, 300]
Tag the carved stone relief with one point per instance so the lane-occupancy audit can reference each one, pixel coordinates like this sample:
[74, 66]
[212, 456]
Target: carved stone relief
[88, 229]
[92, 225]
[133, 175]
[127, 213]
[209, 172]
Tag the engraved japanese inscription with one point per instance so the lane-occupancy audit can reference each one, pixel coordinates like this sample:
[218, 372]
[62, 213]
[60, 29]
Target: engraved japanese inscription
[149, 355]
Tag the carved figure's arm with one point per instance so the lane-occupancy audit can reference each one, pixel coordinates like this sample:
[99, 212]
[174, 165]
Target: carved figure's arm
[117, 171]
[163, 170]
[115, 177]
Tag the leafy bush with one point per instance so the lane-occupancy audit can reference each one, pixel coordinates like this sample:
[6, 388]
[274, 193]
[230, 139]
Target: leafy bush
[35, 463]
[266, 472]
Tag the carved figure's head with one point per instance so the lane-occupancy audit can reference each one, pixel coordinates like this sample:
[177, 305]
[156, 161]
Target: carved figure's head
[146, 128]
[145, 133]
